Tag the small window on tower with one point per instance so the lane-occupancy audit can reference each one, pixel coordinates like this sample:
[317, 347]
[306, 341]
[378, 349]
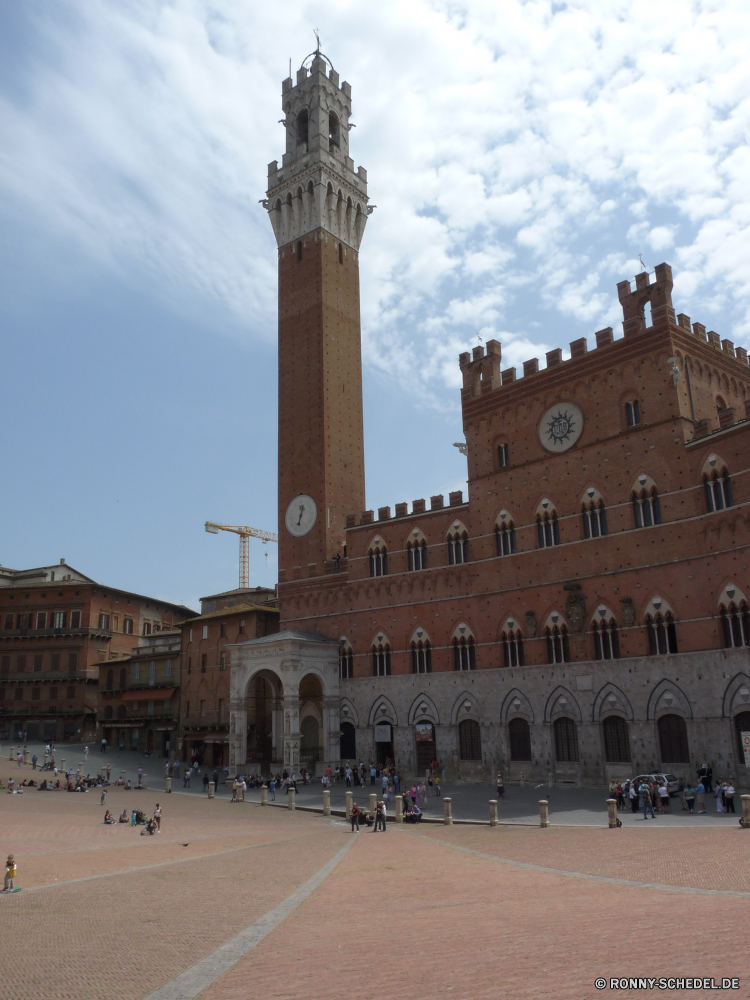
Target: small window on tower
[302, 127]
[299, 249]
[633, 412]
[502, 456]
[341, 254]
[334, 130]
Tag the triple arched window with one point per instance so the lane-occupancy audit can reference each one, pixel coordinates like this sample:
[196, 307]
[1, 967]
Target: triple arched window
[736, 624]
[558, 645]
[381, 660]
[458, 547]
[416, 552]
[566, 740]
[616, 740]
[606, 640]
[464, 655]
[379, 560]
[548, 530]
[594, 519]
[519, 738]
[421, 657]
[718, 487]
[512, 648]
[505, 538]
[662, 636]
[646, 508]
[346, 662]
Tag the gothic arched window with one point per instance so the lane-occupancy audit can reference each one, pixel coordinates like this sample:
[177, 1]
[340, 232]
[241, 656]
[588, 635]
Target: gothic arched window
[558, 647]
[469, 740]
[421, 657]
[110, 679]
[606, 640]
[594, 519]
[108, 712]
[123, 677]
[334, 130]
[548, 530]
[379, 560]
[121, 712]
[673, 740]
[736, 625]
[662, 635]
[718, 489]
[519, 737]
[381, 660]
[632, 412]
[512, 648]
[566, 740]
[458, 547]
[505, 538]
[616, 740]
[416, 552]
[464, 657]
[646, 508]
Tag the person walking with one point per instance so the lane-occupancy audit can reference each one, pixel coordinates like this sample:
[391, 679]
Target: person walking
[186, 777]
[645, 793]
[243, 788]
[717, 796]
[103, 798]
[500, 786]
[372, 774]
[157, 817]
[10, 874]
[355, 816]
[33, 762]
[729, 792]
[701, 795]
[109, 771]
[272, 788]
[633, 795]
[436, 783]
[205, 782]
[19, 757]
[235, 786]
[104, 745]
[664, 796]
[690, 797]
[85, 753]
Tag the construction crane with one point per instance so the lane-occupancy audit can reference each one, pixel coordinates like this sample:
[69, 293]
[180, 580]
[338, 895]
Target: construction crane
[245, 534]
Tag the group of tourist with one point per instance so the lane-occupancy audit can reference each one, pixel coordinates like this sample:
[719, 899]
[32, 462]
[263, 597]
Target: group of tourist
[137, 818]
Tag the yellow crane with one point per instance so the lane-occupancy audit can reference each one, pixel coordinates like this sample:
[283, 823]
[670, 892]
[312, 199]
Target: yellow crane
[245, 534]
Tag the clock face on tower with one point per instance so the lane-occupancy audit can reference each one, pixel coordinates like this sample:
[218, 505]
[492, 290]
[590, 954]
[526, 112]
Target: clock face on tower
[301, 515]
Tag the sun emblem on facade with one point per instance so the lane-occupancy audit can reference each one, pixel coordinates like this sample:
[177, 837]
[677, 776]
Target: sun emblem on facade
[561, 426]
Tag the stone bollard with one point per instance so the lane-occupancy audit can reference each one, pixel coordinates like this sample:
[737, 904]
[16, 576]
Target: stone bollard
[124, 776]
[373, 803]
[349, 805]
[26, 756]
[211, 788]
[399, 809]
[144, 781]
[12, 754]
[614, 822]
[292, 804]
[326, 802]
[543, 812]
[168, 785]
[448, 815]
[745, 821]
[62, 765]
[493, 812]
[264, 795]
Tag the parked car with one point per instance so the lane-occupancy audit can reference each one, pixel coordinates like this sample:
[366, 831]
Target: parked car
[673, 782]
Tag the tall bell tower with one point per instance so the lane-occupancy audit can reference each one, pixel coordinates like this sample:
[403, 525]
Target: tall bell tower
[317, 204]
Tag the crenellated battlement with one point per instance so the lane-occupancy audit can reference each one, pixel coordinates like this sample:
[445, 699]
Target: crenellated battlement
[481, 371]
[418, 507]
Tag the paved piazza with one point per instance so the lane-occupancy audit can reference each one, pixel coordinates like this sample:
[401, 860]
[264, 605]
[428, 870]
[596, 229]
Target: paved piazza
[239, 901]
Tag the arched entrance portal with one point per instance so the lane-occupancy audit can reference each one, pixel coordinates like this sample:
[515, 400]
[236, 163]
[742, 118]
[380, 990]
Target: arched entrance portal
[311, 719]
[264, 699]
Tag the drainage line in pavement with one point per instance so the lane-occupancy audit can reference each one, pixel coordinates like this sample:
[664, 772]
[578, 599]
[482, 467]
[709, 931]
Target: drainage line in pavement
[584, 875]
[200, 976]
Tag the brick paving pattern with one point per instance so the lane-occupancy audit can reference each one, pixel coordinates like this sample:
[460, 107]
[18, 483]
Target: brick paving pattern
[402, 914]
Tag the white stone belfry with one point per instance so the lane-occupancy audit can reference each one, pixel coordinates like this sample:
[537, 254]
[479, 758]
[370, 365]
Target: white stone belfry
[316, 186]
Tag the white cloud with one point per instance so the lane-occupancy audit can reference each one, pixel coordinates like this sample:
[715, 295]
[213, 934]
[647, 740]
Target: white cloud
[509, 149]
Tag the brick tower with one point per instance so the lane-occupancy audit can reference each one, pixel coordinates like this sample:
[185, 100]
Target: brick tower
[317, 204]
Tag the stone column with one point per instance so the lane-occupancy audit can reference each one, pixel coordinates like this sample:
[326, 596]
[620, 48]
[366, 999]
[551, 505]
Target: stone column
[331, 738]
[291, 803]
[373, 802]
[349, 804]
[211, 789]
[448, 814]
[237, 738]
[612, 813]
[745, 821]
[167, 784]
[12, 755]
[326, 802]
[264, 795]
[543, 812]
[291, 731]
[493, 812]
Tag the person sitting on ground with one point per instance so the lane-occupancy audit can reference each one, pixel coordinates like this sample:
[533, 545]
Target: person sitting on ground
[367, 818]
[128, 785]
[108, 817]
[124, 816]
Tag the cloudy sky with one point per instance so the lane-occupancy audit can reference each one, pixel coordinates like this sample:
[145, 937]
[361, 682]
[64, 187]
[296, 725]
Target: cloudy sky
[521, 155]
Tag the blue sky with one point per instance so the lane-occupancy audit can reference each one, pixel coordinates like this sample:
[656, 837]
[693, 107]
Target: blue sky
[521, 156]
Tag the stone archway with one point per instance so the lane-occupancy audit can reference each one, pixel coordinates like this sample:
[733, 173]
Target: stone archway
[290, 665]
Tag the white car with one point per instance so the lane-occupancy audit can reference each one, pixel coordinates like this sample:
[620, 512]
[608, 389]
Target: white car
[673, 782]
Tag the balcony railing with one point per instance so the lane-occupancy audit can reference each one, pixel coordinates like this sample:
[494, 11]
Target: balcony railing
[41, 633]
